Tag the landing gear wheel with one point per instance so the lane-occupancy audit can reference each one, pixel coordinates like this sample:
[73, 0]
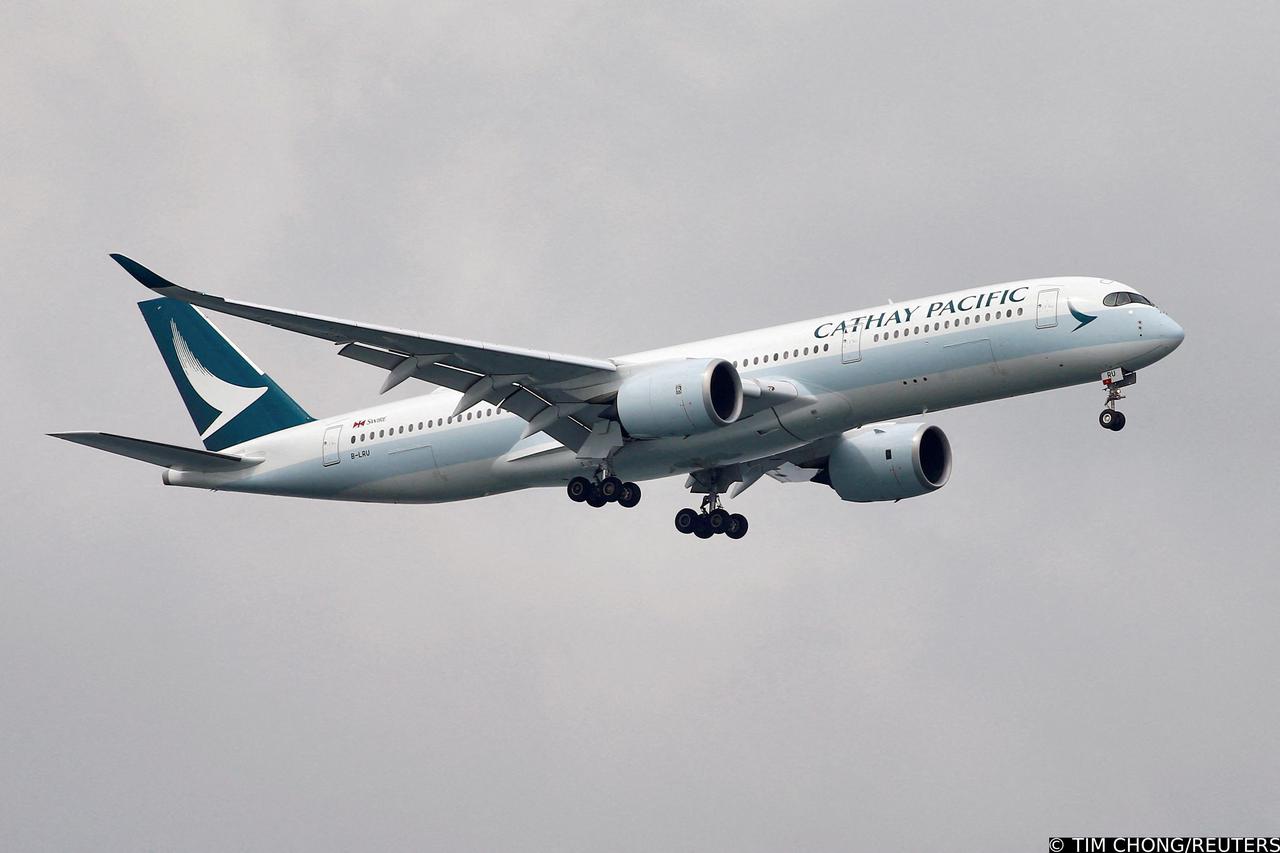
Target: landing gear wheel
[703, 528]
[579, 489]
[718, 520]
[686, 520]
[1118, 423]
[737, 526]
[1109, 417]
[629, 496]
[596, 499]
[610, 487]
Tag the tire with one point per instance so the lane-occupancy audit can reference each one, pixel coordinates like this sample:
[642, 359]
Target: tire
[703, 529]
[1119, 422]
[610, 487]
[718, 519]
[596, 499]
[737, 527]
[579, 489]
[1107, 419]
[686, 520]
[629, 496]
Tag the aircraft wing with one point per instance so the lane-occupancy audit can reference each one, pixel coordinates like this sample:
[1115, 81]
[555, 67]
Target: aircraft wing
[549, 390]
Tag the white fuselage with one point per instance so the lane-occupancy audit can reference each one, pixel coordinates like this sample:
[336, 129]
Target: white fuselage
[889, 362]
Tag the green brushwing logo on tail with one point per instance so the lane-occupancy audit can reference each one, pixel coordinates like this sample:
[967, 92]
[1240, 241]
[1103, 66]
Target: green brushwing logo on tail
[230, 399]
[1082, 318]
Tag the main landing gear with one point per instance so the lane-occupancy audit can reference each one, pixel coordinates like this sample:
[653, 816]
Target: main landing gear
[710, 520]
[603, 490]
[1113, 381]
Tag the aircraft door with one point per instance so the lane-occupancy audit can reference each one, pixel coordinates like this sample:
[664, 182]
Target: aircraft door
[1047, 308]
[851, 345]
[332, 442]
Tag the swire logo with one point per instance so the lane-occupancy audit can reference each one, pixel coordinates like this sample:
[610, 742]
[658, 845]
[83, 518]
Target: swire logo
[358, 424]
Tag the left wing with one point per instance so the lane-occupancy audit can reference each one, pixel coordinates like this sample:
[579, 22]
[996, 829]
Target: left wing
[561, 395]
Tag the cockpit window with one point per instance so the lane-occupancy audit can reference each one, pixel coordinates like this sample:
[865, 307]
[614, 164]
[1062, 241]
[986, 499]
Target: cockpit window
[1124, 297]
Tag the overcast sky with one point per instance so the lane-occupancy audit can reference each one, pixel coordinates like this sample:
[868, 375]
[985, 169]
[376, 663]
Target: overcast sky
[1077, 636]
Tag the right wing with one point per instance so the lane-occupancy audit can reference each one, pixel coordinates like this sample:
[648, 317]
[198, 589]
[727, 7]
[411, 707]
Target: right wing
[561, 395]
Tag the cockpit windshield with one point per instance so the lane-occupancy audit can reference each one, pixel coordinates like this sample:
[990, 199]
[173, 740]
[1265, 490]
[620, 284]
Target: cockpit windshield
[1124, 297]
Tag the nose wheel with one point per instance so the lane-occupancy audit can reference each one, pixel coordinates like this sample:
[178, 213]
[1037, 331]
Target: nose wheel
[1111, 419]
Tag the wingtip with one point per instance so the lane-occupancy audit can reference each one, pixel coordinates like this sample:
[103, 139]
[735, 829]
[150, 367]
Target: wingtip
[144, 276]
[75, 437]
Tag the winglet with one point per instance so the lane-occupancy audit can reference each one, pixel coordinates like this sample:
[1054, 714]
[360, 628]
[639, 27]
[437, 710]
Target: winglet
[141, 273]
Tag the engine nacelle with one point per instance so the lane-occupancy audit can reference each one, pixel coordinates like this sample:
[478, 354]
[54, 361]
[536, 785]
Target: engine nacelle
[680, 398]
[891, 462]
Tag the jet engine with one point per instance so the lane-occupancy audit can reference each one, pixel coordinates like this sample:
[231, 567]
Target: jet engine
[891, 462]
[680, 398]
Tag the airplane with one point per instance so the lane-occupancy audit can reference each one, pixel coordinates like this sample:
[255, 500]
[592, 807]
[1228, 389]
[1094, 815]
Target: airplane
[825, 401]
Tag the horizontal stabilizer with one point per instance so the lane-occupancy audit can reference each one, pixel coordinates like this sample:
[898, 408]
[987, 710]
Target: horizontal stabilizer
[164, 455]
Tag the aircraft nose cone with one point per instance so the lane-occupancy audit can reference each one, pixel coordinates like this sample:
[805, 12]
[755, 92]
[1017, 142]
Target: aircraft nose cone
[1172, 333]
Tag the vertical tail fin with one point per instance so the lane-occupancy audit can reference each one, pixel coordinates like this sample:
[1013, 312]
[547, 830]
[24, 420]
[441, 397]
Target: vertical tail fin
[229, 398]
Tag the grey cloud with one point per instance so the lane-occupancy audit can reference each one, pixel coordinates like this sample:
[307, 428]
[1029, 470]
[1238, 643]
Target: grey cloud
[1076, 636]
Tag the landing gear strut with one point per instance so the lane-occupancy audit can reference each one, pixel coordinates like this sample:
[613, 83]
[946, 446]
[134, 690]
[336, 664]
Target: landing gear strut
[711, 519]
[605, 488]
[1113, 381]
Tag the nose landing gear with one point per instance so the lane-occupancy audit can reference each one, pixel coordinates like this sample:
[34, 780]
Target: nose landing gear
[1113, 380]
